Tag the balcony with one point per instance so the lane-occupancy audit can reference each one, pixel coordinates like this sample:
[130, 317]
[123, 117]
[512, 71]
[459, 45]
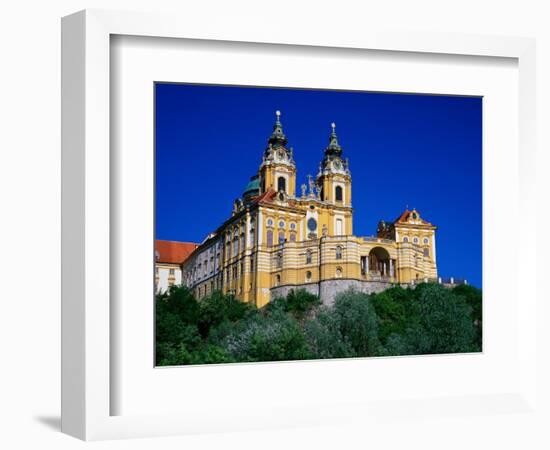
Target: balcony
[377, 276]
[377, 239]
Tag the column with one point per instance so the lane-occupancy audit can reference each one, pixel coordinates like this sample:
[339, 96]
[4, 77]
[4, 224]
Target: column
[391, 268]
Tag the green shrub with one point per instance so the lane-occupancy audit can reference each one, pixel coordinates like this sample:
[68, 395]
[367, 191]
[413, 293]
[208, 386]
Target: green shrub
[179, 301]
[218, 308]
[298, 302]
[358, 322]
[273, 337]
[440, 323]
[392, 307]
[473, 297]
[324, 337]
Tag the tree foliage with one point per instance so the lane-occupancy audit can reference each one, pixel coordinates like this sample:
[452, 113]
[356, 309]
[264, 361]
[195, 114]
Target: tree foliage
[220, 329]
[267, 337]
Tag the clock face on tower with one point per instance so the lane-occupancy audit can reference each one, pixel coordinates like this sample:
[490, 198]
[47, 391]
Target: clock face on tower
[312, 224]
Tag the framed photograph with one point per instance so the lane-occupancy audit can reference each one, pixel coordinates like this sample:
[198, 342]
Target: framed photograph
[284, 275]
[250, 220]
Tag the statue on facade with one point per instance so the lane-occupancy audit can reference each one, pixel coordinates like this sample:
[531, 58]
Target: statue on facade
[311, 186]
[318, 191]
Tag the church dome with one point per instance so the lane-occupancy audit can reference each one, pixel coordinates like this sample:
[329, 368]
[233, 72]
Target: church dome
[252, 188]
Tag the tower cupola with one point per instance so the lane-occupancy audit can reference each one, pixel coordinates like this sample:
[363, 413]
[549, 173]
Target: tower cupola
[334, 177]
[278, 138]
[278, 169]
[332, 161]
[334, 148]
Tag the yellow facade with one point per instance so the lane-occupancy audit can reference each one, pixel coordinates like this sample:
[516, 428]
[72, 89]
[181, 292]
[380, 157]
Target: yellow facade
[277, 238]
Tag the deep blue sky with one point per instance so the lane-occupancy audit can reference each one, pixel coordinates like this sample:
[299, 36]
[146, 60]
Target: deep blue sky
[423, 151]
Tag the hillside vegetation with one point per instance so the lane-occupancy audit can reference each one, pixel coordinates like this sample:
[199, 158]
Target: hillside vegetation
[428, 319]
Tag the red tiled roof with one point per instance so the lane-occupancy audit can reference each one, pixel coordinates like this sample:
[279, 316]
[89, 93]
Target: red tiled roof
[403, 218]
[267, 196]
[173, 252]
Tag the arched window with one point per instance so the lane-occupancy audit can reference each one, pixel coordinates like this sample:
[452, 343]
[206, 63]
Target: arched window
[425, 240]
[308, 256]
[338, 272]
[405, 239]
[427, 252]
[277, 280]
[308, 276]
[415, 240]
[281, 184]
[281, 237]
[338, 193]
[338, 252]
[270, 238]
[292, 237]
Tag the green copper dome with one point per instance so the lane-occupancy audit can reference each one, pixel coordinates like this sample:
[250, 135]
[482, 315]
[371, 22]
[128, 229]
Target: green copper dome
[252, 188]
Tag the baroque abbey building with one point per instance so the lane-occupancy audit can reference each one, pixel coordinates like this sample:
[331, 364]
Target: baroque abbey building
[278, 239]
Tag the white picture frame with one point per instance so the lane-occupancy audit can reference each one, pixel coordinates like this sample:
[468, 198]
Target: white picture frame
[86, 245]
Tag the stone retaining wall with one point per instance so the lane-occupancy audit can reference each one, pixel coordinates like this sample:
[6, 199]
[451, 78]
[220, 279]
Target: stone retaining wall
[328, 289]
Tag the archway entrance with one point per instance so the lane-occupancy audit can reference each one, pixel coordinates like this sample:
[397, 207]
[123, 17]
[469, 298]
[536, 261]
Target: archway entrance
[379, 263]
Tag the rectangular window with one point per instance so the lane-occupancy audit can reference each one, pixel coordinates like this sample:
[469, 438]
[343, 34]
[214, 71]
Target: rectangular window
[279, 260]
[339, 227]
